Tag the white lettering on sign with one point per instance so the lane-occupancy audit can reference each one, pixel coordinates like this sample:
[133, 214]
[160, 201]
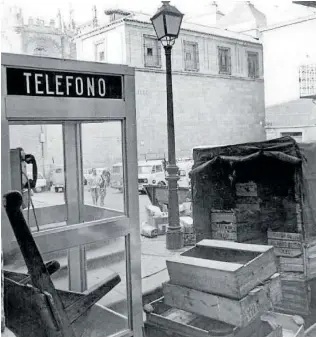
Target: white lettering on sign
[37, 83]
[48, 92]
[49, 83]
[90, 86]
[79, 86]
[27, 75]
[102, 87]
[68, 84]
[58, 84]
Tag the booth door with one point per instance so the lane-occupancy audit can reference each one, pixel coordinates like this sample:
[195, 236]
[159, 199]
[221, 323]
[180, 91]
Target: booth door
[80, 215]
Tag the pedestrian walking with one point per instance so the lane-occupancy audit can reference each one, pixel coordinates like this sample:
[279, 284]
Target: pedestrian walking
[104, 183]
[94, 184]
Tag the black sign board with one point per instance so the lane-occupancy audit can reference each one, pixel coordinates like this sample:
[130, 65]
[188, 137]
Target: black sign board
[37, 82]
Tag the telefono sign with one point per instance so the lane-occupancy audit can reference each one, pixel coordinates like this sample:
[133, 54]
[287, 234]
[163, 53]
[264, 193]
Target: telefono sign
[37, 82]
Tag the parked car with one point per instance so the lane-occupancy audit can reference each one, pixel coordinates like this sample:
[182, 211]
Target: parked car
[41, 182]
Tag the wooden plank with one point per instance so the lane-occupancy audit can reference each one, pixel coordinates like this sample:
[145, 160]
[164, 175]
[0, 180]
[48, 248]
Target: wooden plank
[234, 246]
[288, 252]
[236, 312]
[291, 264]
[285, 244]
[251, 207]
[223, 216]
[285, 236]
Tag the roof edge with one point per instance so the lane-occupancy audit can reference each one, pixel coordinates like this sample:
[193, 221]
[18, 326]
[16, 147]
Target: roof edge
[288, 23]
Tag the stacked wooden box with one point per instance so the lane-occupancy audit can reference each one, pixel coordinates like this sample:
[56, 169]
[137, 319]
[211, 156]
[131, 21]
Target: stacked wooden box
[296, 263]
[236, 225]
[242, 223]
[218, 288]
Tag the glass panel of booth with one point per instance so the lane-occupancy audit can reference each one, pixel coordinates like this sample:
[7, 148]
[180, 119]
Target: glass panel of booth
[102, 158]
[44, 200]
[99, 156]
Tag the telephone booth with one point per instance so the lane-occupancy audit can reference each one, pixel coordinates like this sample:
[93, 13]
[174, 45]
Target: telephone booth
[71, 99]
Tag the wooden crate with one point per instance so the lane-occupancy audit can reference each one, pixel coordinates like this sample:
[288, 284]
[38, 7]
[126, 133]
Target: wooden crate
[286, 244]
[165, 321]
[296, 294]
[235, 215]
[237, 232]
[294, 255]
[237, 312]
[222, 267]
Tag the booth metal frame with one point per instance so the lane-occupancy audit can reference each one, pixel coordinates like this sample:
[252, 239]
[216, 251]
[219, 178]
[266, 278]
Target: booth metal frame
[81, 224]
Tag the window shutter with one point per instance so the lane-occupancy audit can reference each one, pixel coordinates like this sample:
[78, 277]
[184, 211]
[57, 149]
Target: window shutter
[196, 58]
[257, 65]
[229, 64]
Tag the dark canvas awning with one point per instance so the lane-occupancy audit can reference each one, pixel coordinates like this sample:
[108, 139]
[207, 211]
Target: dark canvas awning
[284, 149]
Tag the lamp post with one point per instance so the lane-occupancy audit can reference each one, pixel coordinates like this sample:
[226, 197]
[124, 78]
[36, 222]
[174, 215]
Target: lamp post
[167, 22]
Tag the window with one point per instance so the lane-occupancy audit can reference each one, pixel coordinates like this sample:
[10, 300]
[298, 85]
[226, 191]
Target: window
[144, 169]
[298, 136]
[99, 52]
[152, 52]
[253, 65]
[191, 56]
[159, 168]
[224, 60]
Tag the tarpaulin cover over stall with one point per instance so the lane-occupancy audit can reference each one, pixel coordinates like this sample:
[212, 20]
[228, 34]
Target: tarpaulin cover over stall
[279, 154]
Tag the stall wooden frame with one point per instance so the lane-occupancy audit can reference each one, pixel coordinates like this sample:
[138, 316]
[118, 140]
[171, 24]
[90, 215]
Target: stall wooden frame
[110, 224]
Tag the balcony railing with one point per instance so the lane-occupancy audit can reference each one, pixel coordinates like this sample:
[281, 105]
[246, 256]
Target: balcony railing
[307, 75]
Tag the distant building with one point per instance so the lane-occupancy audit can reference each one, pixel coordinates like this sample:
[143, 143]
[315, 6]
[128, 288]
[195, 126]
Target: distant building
[290, 78]
[36, 37]
[47, 39]
[244, 18]
[217, 80]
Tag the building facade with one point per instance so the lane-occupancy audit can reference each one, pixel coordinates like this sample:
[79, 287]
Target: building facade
[218, 84]
[290, 78]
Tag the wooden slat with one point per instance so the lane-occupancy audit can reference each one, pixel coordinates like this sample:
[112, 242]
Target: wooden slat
[234, 246]
[285, 236]
[236, 312]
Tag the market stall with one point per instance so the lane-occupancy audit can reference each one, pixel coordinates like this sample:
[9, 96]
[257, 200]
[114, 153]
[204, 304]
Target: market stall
[263, 193]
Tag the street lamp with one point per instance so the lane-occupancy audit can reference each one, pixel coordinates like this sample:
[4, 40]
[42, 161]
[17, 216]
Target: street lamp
[167, 22]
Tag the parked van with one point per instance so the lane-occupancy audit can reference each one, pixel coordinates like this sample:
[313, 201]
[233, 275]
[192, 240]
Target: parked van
[184, 169]
[58, 179]
[151, 172]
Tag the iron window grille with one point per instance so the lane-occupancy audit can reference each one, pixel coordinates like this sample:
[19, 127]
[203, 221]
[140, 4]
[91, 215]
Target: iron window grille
[253, 64]
[191, 56]
[224, 60]
[152, 52]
